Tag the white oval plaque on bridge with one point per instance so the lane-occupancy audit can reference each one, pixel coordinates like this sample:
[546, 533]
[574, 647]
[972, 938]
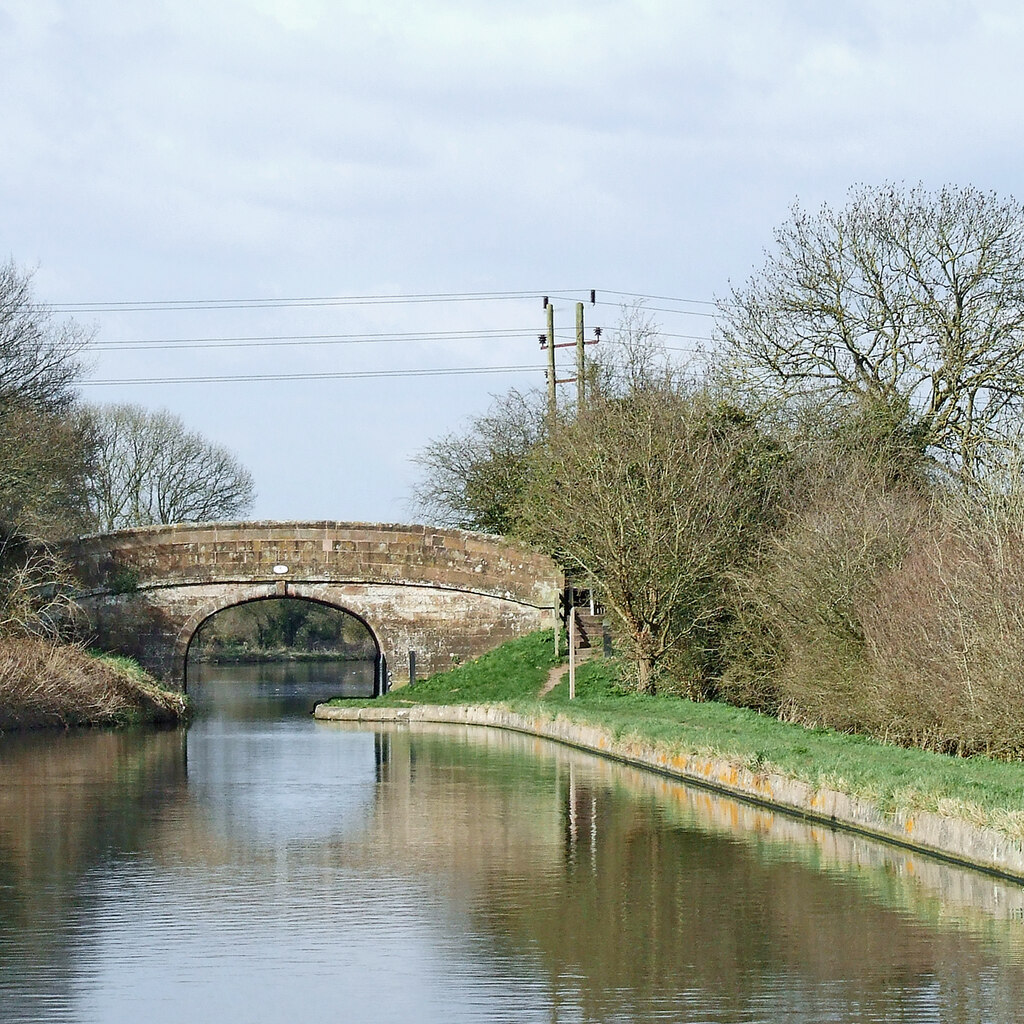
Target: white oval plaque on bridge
[280, 569]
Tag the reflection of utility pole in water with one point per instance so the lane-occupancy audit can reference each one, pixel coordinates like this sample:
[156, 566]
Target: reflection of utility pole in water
[574, 833]
[381, 755]
[580, 814]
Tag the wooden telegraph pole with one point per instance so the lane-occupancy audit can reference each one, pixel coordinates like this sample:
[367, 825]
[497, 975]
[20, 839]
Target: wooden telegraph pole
[552, 402]
[547, 342]
[581, 384]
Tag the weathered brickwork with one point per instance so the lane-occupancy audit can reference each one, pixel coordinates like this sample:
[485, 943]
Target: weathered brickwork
[445, 594]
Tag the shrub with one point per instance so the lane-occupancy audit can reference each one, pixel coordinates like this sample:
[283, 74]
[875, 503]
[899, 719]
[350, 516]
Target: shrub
[945, 639]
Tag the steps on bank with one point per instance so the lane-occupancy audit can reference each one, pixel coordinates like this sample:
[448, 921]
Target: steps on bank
[589, 631]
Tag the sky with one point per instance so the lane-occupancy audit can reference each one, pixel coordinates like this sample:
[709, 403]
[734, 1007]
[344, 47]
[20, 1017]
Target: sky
[182, 174]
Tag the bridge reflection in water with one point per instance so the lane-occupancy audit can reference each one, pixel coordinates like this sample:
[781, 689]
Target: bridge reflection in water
[256, 866]
[272, 690]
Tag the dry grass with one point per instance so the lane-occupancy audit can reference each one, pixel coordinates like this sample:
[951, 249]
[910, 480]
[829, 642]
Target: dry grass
[49, 684]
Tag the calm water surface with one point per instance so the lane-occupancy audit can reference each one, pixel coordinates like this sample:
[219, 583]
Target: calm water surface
[262, 867]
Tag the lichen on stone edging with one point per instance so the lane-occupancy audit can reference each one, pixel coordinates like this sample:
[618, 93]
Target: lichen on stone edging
[950, 838]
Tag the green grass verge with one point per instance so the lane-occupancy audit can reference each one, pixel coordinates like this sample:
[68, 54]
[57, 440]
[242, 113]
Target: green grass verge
[517, 669]
[976, 789]
[982, 791]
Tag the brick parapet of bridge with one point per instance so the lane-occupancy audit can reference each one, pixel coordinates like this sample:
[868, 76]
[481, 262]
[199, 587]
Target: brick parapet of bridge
[318, 552]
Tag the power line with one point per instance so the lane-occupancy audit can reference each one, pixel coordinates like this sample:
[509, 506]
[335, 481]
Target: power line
[687, 337]
[341, 375]
[287, 340]
[658, 298]
[650, 309]
[274, 340]
[292, 340]
[397, 298]
[174, 305]
[662, 309]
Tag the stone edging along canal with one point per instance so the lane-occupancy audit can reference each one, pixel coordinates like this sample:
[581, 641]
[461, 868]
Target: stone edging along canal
[949, 838]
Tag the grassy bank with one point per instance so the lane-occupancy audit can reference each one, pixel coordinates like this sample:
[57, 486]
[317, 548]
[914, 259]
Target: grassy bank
[45, 685]
[977, 789]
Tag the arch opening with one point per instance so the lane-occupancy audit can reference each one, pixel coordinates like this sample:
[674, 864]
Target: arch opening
[288, 638]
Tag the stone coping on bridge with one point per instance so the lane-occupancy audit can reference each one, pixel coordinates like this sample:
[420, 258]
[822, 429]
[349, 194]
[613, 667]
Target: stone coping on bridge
[950, 839]
[313, 525]
[320, 550]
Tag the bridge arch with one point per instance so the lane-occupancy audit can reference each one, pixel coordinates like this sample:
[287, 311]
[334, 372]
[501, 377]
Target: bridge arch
[190, 629]
[445, 594]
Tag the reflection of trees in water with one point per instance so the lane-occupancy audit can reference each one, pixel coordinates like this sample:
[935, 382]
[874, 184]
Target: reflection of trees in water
[633, 908]
[69, 802]
[274, 690]
[624, 895]
[659, 910]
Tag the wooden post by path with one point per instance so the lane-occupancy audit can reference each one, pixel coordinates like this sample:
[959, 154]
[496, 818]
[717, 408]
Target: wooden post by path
[572, 652]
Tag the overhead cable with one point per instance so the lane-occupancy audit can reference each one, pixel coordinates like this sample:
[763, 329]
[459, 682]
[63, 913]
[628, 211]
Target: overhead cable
[174, 305]
[340, 375]
[273, 340]
[397, 298]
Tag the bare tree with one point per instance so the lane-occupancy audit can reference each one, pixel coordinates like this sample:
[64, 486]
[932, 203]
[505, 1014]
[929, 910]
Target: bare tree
[905, 297]
[651, 498]
[44, 455]
[632, 357]
[151, 469]
[475, 480]
[35, 590]
[43, 450]
[40, 357]
[45, 460]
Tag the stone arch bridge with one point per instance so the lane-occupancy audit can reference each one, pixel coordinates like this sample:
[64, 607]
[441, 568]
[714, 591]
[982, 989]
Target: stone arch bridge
[446, 594]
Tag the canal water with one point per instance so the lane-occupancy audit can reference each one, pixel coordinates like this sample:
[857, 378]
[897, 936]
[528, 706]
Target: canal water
[263, 867]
